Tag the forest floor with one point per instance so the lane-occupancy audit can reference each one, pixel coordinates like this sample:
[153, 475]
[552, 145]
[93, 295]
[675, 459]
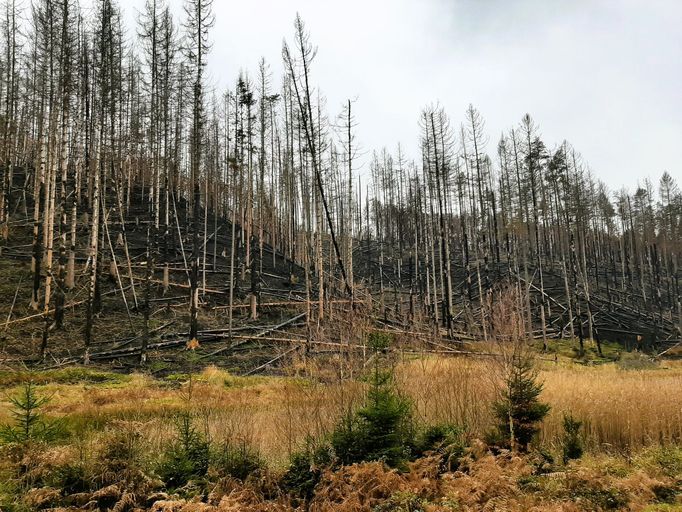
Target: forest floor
[116, 427]
[118, 328]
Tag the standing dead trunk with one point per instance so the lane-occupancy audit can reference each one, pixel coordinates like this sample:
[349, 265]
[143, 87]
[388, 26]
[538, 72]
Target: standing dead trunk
[93, 257]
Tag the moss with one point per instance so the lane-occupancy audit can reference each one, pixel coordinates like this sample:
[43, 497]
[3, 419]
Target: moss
[568, 349]
[177, 377]
[68, 375]
[217, 377]
[234, 382]
[159, 366]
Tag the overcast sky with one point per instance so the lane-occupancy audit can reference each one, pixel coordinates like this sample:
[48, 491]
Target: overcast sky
[604, 74]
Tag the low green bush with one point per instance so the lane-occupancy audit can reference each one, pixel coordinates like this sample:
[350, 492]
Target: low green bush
[666, 459]
[636, 361]
[604, 499]
[237, 459]
[666, 493]
[446, 439]
[68, 375]
[70, 478]
[572, 440]
[305, 470]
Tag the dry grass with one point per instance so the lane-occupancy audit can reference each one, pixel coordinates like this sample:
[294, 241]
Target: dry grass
[457, 391]
[623, 410]
[275, 415]
[626, 411]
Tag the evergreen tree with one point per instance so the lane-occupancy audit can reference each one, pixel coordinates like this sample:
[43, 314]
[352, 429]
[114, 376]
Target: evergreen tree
[382, 428]
[29, 422]
[187, 457]
[518, 409]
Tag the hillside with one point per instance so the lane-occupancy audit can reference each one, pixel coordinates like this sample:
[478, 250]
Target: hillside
[214, 297]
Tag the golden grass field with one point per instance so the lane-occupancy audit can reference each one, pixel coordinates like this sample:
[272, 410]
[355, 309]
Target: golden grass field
[623, 410]
[632, 428]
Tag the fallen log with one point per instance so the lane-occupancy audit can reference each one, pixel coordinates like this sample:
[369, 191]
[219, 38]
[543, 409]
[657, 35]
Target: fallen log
[50, 311]
[264, 365]
[262, 333]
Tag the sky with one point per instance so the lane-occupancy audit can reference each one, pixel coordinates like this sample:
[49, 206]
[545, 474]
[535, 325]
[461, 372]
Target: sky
[606, 75]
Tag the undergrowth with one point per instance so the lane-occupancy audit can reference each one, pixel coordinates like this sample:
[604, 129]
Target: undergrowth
[376, 446]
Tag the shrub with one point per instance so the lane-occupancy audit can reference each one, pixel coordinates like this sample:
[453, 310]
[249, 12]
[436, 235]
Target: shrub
[572, 441]
[187, 457]
[119, 456]
[70, 478]
[542, 461]
[378, 341]
[301, 476]
[665, 493]
[446, 439]
[435, 437]
[237, 459]
[29, 422]
[530, 483]
[305, 471]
